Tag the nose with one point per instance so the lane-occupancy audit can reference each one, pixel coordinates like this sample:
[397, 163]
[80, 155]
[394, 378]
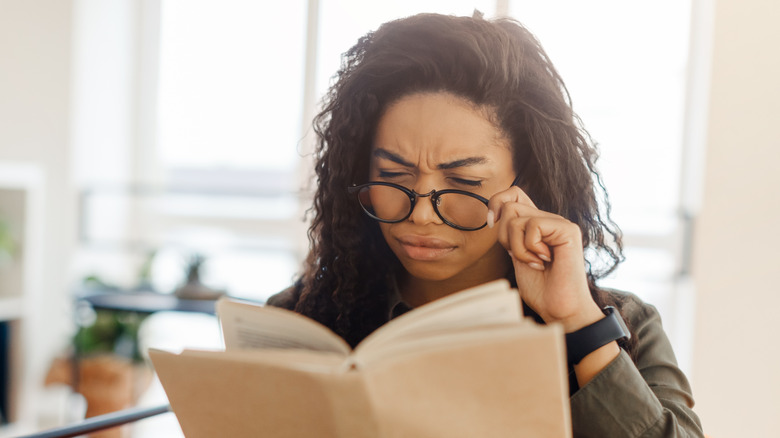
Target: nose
[423, 212]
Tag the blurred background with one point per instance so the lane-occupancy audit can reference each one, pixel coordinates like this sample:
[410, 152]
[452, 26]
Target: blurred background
[155, 154]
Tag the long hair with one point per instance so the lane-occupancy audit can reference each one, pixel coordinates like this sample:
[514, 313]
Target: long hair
[497, 64]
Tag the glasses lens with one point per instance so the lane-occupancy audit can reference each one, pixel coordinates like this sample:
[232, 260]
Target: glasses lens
[384, 202]
[462, 210]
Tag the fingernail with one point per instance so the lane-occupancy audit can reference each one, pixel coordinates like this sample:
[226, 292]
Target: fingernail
[544, 257]
[536, 266]
[491, 219]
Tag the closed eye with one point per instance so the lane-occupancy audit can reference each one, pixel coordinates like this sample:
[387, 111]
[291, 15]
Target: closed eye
[391, 175]
[467, 182]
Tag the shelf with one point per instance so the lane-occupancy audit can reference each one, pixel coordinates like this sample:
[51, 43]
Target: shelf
[22, 209]
[10, 308]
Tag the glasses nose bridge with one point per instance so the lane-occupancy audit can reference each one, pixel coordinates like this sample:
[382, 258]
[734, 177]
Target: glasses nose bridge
[423, 195]
[434, 202]
[432, 194]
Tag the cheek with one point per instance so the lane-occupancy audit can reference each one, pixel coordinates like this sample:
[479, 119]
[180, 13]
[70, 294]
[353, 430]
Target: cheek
[480, 241]
[386, 230]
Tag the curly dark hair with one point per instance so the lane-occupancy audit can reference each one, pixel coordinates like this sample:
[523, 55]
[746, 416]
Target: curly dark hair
[496, 64]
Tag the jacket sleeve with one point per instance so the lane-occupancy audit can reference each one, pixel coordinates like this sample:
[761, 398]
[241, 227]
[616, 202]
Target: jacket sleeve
[651, 398]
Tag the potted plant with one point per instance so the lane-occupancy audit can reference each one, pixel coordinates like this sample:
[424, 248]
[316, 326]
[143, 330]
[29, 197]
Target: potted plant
[193, 288]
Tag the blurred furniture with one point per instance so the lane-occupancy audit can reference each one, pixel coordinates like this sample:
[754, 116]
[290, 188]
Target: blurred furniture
[146, 302]
[21, 276]
[107, 366]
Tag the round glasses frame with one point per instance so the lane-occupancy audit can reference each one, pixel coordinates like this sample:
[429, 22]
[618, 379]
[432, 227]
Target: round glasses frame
[413, 196]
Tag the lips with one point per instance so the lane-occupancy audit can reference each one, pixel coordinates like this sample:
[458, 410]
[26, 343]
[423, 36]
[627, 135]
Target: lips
[425, 248]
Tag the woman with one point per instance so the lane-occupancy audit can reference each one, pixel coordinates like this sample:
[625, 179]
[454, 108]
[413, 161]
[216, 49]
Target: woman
[449, 156]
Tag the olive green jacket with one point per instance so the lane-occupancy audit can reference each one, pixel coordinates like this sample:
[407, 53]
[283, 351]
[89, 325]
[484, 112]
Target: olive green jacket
[650, 398]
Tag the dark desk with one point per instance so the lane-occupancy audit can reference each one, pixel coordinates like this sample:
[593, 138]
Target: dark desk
[143, 302]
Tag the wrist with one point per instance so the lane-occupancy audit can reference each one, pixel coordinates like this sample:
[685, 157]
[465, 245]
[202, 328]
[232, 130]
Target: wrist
[587, 316]
[610, 327]
[594, 362]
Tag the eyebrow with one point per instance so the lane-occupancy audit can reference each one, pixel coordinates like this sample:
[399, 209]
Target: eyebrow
[471, 161]
[465, 162]
[384, 153]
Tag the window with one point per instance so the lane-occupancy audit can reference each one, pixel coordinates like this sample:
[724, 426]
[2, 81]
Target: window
[231, 76]
[229, 142]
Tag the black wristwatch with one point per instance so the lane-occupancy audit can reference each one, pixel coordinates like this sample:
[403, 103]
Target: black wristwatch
[592, 337]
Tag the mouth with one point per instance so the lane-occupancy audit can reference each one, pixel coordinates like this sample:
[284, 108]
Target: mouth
[425, 248]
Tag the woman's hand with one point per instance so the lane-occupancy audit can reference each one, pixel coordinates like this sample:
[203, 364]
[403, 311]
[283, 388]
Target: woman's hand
[546, 251]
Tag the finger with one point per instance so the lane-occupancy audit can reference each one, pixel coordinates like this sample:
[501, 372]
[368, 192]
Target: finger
[542, 230]
[510, 209]
[516, 244]
[535, 236]
[513, 194]
[520, 265]
[548, 237]
[516, 216]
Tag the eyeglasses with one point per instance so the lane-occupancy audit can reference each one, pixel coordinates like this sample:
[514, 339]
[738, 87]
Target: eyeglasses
[392, 203]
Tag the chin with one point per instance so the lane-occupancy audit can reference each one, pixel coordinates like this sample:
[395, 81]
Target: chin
[432, 271]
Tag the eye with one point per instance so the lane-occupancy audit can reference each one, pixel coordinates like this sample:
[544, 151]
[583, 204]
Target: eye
[467, 182]
[391, 175]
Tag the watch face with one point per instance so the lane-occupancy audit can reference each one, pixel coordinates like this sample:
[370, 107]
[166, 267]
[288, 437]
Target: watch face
[609, 310]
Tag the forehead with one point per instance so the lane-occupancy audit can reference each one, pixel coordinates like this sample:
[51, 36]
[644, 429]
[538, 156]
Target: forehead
[439, 127]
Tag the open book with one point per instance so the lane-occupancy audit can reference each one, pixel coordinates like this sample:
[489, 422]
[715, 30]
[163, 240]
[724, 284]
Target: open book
[466, 365]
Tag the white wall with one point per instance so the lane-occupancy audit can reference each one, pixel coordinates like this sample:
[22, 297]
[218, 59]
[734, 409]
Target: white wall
[35, 62]
[736, 375]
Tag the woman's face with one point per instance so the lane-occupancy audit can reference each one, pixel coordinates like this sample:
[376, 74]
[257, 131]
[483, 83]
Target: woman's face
[436, 141]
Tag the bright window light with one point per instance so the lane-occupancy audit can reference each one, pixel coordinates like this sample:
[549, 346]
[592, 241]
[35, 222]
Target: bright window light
[231, 81]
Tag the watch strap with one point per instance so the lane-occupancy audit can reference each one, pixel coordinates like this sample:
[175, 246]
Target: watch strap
[594, 336]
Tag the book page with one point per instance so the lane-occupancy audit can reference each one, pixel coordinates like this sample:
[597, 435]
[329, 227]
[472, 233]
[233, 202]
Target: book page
[492, 303]
[270, 394]
[499, 382]
[251, 326]
[410, 344]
